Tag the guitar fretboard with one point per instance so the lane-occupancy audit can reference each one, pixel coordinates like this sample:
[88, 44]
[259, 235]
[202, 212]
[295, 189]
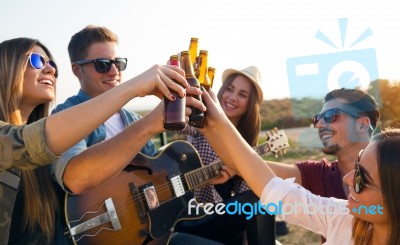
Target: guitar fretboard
[201, 176]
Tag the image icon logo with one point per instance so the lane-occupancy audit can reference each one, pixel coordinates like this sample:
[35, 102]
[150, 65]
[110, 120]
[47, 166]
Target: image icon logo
[316, 75]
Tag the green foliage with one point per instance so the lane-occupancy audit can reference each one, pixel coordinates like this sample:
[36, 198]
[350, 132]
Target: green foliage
[279, 113]
[387, 95]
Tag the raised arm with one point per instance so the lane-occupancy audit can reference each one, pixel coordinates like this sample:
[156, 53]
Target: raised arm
[238, 153]
[66, 128]
[36, 144]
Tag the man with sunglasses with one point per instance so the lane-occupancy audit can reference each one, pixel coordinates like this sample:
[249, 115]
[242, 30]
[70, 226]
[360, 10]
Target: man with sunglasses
[103, 154]
[345, 125]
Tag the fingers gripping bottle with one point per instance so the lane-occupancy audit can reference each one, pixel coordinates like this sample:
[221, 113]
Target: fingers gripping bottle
[197, 118]
[174, 110]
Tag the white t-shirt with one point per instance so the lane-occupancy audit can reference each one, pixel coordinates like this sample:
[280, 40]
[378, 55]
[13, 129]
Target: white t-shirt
[114, 125]
[334, 223]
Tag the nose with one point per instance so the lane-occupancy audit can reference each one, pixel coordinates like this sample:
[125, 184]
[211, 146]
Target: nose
[113, 70]
[48, 69]
[348, 178]
[234, 96]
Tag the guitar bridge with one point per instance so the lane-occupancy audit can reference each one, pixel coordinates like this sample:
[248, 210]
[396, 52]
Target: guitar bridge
[110, 216]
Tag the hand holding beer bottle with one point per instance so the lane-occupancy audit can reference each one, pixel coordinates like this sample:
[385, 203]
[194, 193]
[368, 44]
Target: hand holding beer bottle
[197, 117]
[174, 111]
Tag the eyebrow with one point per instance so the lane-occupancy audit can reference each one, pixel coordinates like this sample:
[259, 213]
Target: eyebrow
[240, 91]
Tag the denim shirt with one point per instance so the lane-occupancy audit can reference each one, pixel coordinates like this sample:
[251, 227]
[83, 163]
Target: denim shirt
[98, 135]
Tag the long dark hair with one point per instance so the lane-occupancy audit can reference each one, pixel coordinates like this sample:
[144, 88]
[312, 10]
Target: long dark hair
[249, 125]
[388, 157]
[40, 199]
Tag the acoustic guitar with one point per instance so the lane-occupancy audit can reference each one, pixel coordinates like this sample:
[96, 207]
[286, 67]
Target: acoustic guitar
[145, 200]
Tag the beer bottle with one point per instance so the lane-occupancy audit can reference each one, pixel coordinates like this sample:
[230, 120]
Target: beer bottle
[197, 118]
[194, 41]
[174, 111]
[211, 73]
[202, 61]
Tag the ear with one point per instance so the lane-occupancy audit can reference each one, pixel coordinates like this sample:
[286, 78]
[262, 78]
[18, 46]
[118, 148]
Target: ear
[77, 70]
[363, 124]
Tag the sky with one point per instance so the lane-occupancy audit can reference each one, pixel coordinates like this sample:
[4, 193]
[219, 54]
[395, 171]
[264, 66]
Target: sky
[356, 39]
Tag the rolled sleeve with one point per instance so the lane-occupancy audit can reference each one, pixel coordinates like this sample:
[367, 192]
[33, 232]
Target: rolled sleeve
[58, 167]
[24, 146]
[35, 142]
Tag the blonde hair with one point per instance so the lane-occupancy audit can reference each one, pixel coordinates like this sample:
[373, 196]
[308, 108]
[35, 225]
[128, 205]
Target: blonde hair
[40, 199]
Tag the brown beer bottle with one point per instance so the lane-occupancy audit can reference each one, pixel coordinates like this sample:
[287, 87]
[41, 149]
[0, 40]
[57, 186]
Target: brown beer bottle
[197, 118]
[211, 73]
[202, 61]
[174, 111]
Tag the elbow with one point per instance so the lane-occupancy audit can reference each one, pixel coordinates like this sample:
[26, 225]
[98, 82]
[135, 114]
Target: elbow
[74, 183]
[74, 188]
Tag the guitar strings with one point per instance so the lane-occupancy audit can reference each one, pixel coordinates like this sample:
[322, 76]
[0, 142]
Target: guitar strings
[164, 187]
[196, 176]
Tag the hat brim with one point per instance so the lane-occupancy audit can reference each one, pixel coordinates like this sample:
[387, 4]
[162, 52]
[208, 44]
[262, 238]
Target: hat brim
[230, 72]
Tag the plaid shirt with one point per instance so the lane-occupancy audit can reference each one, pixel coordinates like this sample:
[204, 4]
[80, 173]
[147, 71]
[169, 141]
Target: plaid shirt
[208, 193]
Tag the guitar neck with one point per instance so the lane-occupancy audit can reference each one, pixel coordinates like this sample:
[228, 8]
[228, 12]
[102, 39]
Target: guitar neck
[201, 176]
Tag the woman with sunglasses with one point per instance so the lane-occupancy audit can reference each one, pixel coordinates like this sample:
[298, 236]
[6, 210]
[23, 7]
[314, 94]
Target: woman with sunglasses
[28, 140]
[369, 216]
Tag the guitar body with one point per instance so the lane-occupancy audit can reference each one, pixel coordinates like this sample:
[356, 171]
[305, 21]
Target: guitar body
[123, 210]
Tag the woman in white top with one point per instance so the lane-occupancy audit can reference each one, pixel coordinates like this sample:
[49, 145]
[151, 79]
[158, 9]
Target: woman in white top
[369, 216]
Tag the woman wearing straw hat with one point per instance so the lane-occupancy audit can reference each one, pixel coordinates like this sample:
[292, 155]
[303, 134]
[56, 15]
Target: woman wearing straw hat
[240, 97]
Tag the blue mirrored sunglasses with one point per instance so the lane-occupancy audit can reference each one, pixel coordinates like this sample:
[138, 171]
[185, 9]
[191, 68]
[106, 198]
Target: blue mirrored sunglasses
[38, 62]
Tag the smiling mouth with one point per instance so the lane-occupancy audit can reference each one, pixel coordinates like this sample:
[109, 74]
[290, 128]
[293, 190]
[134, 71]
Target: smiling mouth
[326, 136]
[46, 82]
[112, 82]
[230, 106]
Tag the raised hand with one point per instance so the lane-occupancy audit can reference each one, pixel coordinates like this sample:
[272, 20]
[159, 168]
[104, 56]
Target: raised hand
[215, 114]
[158, 80]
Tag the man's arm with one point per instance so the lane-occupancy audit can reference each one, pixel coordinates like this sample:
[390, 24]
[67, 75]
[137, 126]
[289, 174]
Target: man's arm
[106, 159]
[284, 170]
[281, 170]
[63, 130]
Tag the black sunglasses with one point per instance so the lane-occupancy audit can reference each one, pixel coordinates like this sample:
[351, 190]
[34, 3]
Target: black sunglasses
[331, 115]
[38, 62]
[104, 65]
[359, 177]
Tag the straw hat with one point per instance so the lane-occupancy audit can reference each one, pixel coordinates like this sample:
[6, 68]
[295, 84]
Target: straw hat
[252, 73]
